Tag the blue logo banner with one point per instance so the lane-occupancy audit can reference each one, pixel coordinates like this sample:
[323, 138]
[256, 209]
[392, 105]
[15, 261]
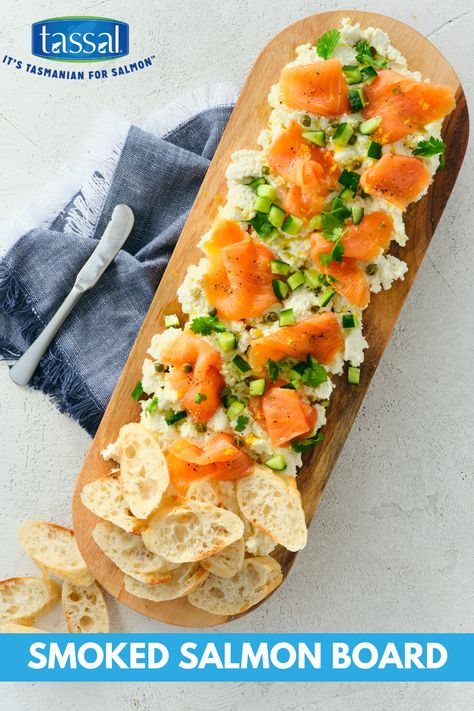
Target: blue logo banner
[79, 39]
[237, 657]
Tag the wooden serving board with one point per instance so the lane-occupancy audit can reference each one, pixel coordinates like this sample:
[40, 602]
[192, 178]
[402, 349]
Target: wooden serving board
[249, 117]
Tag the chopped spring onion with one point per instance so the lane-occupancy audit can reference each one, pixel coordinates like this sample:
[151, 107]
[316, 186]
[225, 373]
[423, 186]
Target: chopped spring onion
[172, 417]
[137, 391]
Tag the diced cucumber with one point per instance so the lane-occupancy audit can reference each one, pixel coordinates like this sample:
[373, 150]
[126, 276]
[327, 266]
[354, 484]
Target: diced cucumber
[368, 74]
[276, 216]
[236, 408]
[262, 204]
[292, 225]
[241, 364]
[295, 280]
[171, 321]
[227, 341]
[353, 375]
[294, 376]
[257, 387]
[352, 74]
[171, 418]
[349, 321]
[356, 99]
[318, 137]
[369, 126]
[280, 289]
[342, 134]
[228, 399]
[374, 150]
[277, 463]
[256, 182]
[281, 268]
[349, 179]
[266, 191]
[287, 317]
[326, 296]
[357, 214]
[312, 278]
[315, 223]
[346, 194]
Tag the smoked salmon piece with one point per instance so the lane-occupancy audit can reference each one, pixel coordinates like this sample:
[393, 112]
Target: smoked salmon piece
[397, 179]
[350, 281]
[284, 415]
[238, 282]
[319, 87]
[363, 241]
[319, 335]
[404, 104]
[219, 459]
[196, 376]
[310, 170]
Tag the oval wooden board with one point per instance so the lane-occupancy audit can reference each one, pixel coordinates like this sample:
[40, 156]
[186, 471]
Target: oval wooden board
[249, 117]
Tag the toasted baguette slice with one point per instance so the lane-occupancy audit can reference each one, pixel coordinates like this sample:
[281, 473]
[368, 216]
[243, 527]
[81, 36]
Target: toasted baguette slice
[183, 580]
[272, 503]
[190, 531]
[130, 555]
[205, 491]
[257, 578]
[54, 547]
[105, 499]
[22, 600]
[143, 470]
[11, 627]
[228, 562]
[84, 608]
[256, 541]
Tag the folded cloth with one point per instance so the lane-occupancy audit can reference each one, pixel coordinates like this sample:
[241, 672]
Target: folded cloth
[157, 172]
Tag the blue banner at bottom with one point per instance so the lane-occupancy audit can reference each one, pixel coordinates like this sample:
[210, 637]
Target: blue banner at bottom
[237, 657]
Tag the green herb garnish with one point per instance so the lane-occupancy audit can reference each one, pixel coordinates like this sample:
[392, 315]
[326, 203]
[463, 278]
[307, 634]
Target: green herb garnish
[314, 374]
[172, 417]
[137, 391]
[205, 325]
[432, 147]
[200, 397]
[327, 43]
[335, 255]
[273, 370]
[151, 405]
[365, 54]
[305, 444]
[241, 423]
[261, 225]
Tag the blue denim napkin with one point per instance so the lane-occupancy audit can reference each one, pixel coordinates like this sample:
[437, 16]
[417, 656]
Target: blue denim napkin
[158, 177]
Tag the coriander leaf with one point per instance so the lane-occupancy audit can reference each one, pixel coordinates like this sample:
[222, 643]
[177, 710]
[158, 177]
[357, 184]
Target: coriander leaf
[205, 325]
[261, 225]
[241, 423]
[327, 43]
[273, 370]
[335, 255]
[137, 391]
[305, 444]
[337, 234]
[365, 54]
[432, 147]
[314, 375]
[151, 405]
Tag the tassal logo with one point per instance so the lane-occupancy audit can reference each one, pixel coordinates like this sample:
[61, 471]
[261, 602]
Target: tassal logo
[79, 39]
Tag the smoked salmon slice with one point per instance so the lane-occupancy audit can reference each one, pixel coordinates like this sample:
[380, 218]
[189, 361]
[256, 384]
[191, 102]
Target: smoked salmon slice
[238, 282]
[397, 179]
[363, 241]
[320, 336]
[350, 280]
[219, 459]
[404, 104]
[319, 87]
[284, 415]
[196, 376]
[310, 170]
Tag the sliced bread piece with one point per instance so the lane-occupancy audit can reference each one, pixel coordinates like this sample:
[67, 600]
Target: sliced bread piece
[84, 608]
[228, 562]
[190, 531]
[183, 580]
[105, 499]
[272, 503]
[54, 547]
[130, 555]
[258, 543]
[11, 627]
[143, 470]
[22, 600]
[257, 578]
[205, 491]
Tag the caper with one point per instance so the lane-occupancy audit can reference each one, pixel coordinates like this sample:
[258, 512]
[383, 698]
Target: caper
[265, 170]
[270, 317]
[314, 308]
[213, 311]
[306, 120]
[201, 427]
[371, 269]
[159, 367]
[239, 441]
[356, 164]
[352, 140]
[187, 367]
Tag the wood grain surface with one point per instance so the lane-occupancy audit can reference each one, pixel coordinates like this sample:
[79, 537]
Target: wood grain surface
[249, 117]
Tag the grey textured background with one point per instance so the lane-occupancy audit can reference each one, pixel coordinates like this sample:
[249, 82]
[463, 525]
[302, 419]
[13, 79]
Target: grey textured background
[391, 546]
